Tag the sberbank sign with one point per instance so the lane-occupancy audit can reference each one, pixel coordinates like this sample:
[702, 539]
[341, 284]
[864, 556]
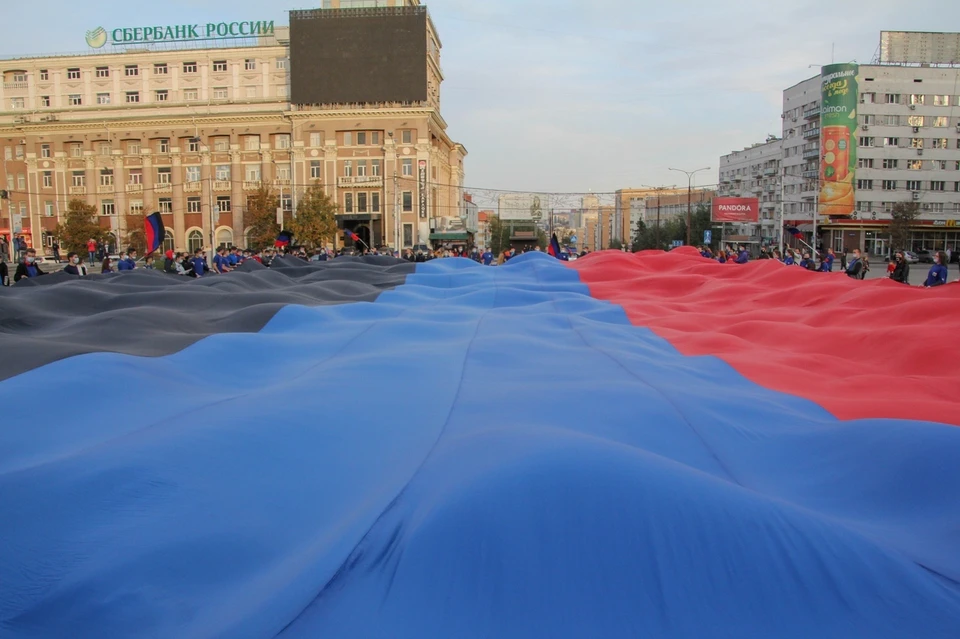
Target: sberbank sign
[98, 37]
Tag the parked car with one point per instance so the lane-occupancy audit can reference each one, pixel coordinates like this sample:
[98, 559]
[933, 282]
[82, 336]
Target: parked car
[910, 257]
[925, 256]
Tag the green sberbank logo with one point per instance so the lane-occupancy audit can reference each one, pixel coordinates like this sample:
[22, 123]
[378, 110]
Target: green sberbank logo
[96, 38]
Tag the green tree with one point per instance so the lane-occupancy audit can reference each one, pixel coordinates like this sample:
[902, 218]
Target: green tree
[316, 221]
[542, 239]
[499, 236]
[262, 215]
[901, 219]
[79, 225]
[615, 244]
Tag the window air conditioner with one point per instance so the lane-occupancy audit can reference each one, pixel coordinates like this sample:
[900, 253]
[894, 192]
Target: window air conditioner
[916, 129]
[865, 127]
[913, 107]
[919, 151]
[916, 195]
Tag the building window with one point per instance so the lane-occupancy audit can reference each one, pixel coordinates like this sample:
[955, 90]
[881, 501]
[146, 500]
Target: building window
[249, 64]
[940, 121]
[916, 143]
[16, 103]
[406, 167]
[44, 75]
[193, 205]
[347, 138]
[889, 185]
[864, 185]
[889, 164]
[891, 120]
[406, 137]
[189, 67]
[892, 98]
[348, 202]
[891, 141]
[407, 235]
[103, 72]
[866, 141]
[190, 95]
[375, 202]
[252, 173]
[194, 241]
[867, 98]
[361, 168]
[193, 146]
[160, 68]
[163, 175]
[935, 207]
[193, 174]
[48, 209]
[251, 142]
[407, 198]
[135, 176]
[361, 202]
[73, 74]
[44, 100]
[220, 93]
[103, 98]
[78, 178]
[315, 169]
[940, 164]
[283, 141]
[76, 150]
[940, 143]
[361, 138]
[136, 207]
[163, 145]
[107, 208]
[160, 95]
[865, 163]
[132, 96]
[219, 66]
[251, 92]
[165, 205]
[283, 171]
[48, 179]
[913, 185]
[916, 99]
[316, 139]
[74, 99]
[914, 120]
[222, 172]
[286, 201]
[938, 185]
[281, 63]
[941, 100]
[375, 137]
[221, 144]
[223, 203]
[106, 177]
[133, 148]
[375, 167]
[131, 70]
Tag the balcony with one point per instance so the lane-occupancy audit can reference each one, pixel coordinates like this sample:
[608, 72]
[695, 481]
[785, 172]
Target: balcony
[78, 190]
[809, 114]
[192, 187]
[163, 187]
[105, 188]
[769, 172]
[251, 185]
[811, 154]
[282, 182]
[222, 185]
[371, 181]
[810, 134]
[134, 188]
[14, 85]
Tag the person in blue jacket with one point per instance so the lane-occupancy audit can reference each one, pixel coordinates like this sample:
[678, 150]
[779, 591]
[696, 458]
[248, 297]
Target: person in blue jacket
[743, 257]
[128, 262]
[199, 264]
[791, 258]
[938, 272]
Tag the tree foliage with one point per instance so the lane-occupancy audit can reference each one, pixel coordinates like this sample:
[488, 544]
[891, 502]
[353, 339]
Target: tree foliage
[136, 236]
[262, 216]
[675, 228]
[499, 236]
[902, 218]
[615, 244]
[78, 226]
[316, 221]
[542, 240]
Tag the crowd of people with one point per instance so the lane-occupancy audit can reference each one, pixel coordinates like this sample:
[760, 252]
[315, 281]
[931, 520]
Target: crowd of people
[857, 267]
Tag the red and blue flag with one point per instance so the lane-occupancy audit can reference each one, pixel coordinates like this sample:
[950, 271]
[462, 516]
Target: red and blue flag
[153, 231]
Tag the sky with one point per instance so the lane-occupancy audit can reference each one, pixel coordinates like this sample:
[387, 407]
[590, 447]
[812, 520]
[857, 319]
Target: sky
[573, 97]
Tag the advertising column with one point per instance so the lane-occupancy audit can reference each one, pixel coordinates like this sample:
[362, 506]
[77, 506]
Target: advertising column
[424, 227]
[838, 139]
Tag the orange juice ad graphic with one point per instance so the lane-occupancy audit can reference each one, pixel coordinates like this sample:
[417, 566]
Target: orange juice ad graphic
[835, 153]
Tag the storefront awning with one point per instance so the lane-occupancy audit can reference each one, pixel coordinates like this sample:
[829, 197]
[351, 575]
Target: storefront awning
[450, 237]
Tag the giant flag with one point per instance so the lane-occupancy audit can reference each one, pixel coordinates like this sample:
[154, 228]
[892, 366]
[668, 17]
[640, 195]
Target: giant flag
[646, 445]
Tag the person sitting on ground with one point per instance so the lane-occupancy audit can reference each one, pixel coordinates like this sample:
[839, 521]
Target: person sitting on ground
[28, 267]
[74, 265]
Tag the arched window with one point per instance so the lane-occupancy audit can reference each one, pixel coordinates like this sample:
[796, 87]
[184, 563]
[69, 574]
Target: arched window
[194, 240]
[248, 238]
[168, 241]
[224, 238]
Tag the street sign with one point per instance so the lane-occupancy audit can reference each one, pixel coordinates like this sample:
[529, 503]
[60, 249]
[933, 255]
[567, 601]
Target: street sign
[707, 236]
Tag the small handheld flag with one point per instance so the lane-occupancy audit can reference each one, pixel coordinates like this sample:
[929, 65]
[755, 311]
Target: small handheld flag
[554, 247]
[351, 235]
[283, 239]
[794, 231]
[154, 231]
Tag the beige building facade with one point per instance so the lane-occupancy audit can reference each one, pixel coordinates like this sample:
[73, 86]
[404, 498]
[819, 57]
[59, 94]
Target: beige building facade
[192, 133]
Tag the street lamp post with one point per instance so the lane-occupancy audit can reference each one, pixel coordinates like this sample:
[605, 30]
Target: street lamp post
[689, 175]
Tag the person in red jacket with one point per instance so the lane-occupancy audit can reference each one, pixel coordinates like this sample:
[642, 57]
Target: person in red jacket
[92, 250]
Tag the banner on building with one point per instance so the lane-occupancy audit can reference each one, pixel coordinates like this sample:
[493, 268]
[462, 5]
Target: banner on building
[736, 209]
[423, 189]
[838, 139]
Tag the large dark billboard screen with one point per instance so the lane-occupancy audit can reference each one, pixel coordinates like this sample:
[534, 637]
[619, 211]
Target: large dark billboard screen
[340, 56]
